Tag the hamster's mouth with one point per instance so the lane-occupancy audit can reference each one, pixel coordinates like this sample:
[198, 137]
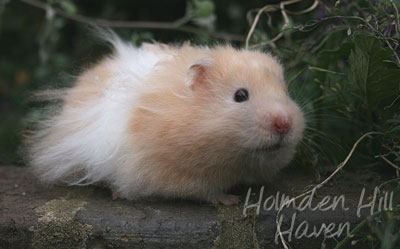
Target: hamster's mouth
[269, 148]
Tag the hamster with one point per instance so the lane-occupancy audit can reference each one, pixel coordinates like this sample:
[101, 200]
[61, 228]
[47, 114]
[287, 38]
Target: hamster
[171, 121]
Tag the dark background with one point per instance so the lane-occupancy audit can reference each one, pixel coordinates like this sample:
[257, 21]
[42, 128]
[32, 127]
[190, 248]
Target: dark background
[341, 58]
[321, 50]
[37, 52]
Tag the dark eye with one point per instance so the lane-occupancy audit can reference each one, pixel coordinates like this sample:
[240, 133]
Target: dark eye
[241, 95]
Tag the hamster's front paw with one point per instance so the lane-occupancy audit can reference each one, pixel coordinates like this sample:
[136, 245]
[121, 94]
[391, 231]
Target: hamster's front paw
[115, 196]
[227, 200]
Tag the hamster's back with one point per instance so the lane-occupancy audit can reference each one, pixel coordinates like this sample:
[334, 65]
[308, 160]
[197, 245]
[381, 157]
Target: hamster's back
[84, 141]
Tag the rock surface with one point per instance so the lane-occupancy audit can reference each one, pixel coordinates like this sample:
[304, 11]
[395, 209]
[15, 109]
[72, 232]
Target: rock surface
[36, 216]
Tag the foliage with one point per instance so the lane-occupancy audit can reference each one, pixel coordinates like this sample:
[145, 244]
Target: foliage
[343, 64]
[341, 57]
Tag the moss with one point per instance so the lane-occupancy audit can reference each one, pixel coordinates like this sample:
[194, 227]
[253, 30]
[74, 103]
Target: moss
[235, 230]
[57, 228]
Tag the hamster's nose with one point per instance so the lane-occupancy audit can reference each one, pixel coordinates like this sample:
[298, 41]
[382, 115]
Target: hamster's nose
[281, 124]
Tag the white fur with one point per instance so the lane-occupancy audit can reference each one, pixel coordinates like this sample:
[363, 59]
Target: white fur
[98, 140]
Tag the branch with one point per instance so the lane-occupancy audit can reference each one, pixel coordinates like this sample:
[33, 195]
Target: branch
[284, 12]
[389, 162]
[318, 186]
[133, 24]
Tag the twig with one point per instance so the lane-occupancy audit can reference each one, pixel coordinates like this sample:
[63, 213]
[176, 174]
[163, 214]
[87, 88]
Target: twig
[311, 68]
[318, 186]
[358, 228]
[254, 24]
[134, 24]
[284, 12]
[324, 70]
[397, 20]
[394, 101]
[390, 181]
[397, 168]
[296, 76]
[389, 162]
[313, 23]
[378, 32]
[269, 8]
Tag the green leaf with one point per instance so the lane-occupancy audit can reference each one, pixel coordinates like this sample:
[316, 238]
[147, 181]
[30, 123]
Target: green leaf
[359, 69]
[376, 80]
[343, 50]
[68, 6]
[395, 129]
[393, 121]
[201, 8]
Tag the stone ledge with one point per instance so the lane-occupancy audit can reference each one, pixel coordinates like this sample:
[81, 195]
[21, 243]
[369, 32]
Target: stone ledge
[35, 216]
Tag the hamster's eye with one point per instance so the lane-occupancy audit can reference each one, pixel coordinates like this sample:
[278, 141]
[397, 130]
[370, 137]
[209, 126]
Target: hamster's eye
[241, 95]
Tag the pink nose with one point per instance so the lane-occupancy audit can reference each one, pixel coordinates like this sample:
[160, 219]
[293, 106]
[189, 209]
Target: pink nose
[281, 124]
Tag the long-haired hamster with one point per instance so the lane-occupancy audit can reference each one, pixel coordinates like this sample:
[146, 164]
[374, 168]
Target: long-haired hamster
[171, 121]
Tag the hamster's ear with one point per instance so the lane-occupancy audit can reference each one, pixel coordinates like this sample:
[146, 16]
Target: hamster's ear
[197, 73]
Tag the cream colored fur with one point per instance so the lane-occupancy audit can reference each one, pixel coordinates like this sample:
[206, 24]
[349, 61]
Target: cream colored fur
[146, 122]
